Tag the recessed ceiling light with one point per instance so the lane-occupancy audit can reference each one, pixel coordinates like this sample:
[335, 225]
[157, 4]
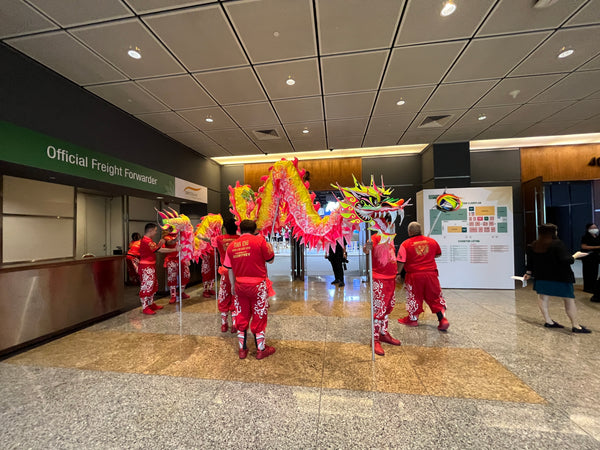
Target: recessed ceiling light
[290, 81]
[482, 117]
[276, 34]
[400, 102]
[564, 52]
[449, 8]
[135, 53]
[305, 131]
[209, 119]
[159, 198]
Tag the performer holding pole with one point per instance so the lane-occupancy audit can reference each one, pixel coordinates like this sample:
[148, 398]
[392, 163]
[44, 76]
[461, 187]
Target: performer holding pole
[177, 276]
[226, 303]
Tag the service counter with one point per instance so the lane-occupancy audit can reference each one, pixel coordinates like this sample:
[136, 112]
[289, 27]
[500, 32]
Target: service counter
[42, 299]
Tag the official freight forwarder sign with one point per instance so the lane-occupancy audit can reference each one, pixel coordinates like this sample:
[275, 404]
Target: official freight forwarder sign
[22, 146]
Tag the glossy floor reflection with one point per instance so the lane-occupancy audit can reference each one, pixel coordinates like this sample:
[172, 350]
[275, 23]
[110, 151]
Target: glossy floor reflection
[496, 379]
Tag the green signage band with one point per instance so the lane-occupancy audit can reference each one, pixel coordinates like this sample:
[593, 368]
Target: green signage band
[29, 148]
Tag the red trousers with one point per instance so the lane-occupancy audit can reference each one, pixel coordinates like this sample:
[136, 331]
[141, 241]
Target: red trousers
[208, 268]
[383, 303]
[423, 286]
[148, 284]
[173, 273]
[226, 298]
[252, 305]
[132, 269]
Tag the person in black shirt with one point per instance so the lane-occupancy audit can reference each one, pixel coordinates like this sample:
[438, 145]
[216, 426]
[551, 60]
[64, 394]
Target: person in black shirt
[590, 243]
[549, 264]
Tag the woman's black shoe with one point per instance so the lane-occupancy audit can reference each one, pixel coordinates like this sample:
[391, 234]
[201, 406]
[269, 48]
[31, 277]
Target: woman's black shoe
[553, 325]
[581, 329]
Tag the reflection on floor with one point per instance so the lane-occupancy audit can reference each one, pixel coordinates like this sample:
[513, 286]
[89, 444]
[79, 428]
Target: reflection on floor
[496, 379]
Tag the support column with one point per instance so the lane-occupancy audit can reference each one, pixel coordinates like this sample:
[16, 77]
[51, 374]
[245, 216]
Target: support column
[446, 166]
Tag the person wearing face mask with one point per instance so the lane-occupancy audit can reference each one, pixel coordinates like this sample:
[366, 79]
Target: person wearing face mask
[590, 243]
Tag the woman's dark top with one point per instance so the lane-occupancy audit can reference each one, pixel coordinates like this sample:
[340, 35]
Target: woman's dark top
[592, 241]
[552, 265]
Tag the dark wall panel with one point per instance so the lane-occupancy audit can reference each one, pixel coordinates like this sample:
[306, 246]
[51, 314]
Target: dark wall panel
[229, 175]
[35, 97]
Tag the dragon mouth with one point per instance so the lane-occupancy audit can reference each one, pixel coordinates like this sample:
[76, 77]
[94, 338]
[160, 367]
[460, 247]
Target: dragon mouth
[382, 220]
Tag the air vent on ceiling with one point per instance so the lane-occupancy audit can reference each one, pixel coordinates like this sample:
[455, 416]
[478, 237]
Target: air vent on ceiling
[266, 135]
[435, 121]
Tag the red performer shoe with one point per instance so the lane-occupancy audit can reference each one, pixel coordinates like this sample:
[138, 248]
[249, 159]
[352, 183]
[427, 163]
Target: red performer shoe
[233, 329]
[224, 327]
[388, 339]
[268, 351]
[243, 353]
[155, 307]
[206, 294]
[148, 310]
[211, 292]
[184, 296]
[444, 324]
[378, 350]
[173, 300]
[408, 322]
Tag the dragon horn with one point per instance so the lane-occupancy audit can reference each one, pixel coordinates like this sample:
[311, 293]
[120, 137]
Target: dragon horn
[175, 213]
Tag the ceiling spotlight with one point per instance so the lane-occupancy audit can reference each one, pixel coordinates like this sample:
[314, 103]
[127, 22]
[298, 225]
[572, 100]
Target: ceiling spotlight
[449, 8]
[564, 52]
[305, 131]
[400, 102]
[159, 198]
[482, 117]
[290, 81]
[209, 119]
[135, 53]
[276, 34]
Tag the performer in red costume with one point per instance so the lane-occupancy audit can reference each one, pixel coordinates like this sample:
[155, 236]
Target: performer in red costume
[208, 273]
[417, 255]
[172, 265]
[133, 259]
[385, 268]
[226, 300]
[246, 258]
[147, 268]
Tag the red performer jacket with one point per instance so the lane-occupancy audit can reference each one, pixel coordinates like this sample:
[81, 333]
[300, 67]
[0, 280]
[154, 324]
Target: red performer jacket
[148, 249]
[134, 249]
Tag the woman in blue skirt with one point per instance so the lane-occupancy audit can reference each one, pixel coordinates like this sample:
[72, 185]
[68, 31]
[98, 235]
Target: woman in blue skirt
[549, 264]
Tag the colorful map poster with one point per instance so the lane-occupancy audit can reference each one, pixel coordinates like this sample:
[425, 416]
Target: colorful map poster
[477, 240]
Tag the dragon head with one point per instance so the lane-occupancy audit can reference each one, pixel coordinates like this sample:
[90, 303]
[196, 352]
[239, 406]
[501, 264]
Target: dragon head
[372, 205]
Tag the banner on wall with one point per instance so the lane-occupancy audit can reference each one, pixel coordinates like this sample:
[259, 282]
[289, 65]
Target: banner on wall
[23, 146]
[477, 240]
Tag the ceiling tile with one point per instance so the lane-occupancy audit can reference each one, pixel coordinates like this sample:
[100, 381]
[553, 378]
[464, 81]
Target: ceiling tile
[582, 110]
[349, 73]
[575, 86]
[69, 13]
[305, 73]
[146, 6]
[340, 142]
[458, 135]
[414, 99]
[17, 17]
[545, 129]
[309, 145]
[454, 114]
[493, 57]
[252, 114]
[380, 140]
[114, 39]
[518, 90]
[234, 140]
[197, 117]
[272, 30]
[422, 21]
[232, 85]
[346, 127]
[167, 122]
[57, 50]
[420, 136]
[179, 92]
[421, 64]
[512, 16]
[282, 146]
[349, 105]
[471, 119]
[586, 126]
[354, 25]
[213, 45]
[503, 131]
[200, 142]
[391, 125]
[592, 64]
[129, 97]
[316, 130]
[533, 112]
[545, 59]
[299, 109]
[588, 15]
[459, 95]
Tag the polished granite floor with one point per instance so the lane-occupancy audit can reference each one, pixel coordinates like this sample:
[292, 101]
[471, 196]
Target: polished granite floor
[496, 379]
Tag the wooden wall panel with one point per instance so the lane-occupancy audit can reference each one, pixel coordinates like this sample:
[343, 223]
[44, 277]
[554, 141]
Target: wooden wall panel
[323, 172]
[561, 163]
